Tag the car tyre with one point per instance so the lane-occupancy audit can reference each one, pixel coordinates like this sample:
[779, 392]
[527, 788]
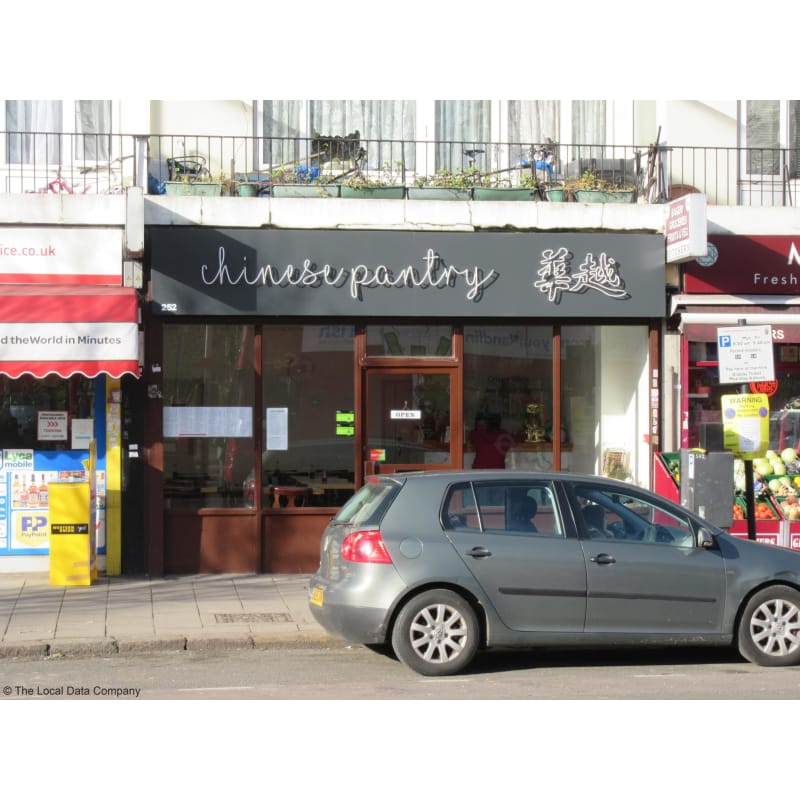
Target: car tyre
[436, 633]
[769, 629]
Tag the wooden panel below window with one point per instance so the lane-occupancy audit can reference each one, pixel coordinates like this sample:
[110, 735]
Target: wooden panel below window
[291, 540]
[198, 543]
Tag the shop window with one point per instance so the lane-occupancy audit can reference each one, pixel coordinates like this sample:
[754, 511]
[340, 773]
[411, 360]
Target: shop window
[704, 393]
[605, 401]
[22, 400]
[409, 340]
[208, 415]
[309, 415]
[508, 396]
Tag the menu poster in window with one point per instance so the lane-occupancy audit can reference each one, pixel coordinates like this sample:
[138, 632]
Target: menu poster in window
[277, 424]
[208, 421]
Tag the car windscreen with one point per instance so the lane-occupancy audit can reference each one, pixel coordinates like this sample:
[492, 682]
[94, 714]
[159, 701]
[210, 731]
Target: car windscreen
[368, 505]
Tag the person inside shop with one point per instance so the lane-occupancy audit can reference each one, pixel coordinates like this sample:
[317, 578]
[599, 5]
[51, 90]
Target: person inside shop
[491, 442]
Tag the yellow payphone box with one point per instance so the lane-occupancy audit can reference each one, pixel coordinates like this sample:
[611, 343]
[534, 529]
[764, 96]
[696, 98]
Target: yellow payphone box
[73, 550]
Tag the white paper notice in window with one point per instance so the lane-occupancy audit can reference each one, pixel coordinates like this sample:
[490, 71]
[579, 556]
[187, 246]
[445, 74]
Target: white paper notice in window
[277, 429]
[208, 421]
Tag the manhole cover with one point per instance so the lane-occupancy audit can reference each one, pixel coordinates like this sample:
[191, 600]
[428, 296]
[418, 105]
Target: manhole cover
[252, 617]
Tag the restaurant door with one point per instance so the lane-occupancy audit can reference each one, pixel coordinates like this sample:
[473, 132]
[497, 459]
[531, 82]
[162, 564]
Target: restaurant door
[412, 419]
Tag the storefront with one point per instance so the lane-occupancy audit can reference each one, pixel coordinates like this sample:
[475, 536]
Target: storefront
[752, 280]
[282, 367]
[63, 350]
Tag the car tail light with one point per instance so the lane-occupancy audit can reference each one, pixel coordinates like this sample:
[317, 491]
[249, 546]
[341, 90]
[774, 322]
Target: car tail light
[365, 547]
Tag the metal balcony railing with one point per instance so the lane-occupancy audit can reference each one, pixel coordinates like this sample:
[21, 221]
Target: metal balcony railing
[70, 163]
[40, 162]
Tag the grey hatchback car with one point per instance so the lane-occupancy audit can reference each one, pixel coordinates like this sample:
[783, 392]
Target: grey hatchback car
[441, 564]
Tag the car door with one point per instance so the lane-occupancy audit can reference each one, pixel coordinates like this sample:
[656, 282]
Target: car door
[532, 571]
[649, 577]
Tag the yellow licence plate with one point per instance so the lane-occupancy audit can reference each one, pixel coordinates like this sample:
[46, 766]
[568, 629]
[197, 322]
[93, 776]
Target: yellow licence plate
[316, 596]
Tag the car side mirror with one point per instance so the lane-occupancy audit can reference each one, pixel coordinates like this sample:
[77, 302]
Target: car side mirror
[705, 538]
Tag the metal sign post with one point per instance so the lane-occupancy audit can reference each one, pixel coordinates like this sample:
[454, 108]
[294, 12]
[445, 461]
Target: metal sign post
[745, 356]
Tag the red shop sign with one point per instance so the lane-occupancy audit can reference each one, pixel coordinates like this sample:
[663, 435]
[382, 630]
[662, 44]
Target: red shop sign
[746, 265]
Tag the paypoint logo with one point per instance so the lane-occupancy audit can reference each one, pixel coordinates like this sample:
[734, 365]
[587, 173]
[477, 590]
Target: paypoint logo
[31, 530]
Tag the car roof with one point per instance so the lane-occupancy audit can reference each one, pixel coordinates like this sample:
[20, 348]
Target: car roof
[453, 475]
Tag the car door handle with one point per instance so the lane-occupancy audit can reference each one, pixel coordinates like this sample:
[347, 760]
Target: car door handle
[603, 558]
[479, 552]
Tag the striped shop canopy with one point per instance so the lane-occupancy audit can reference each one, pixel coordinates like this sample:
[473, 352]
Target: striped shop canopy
[68, 330]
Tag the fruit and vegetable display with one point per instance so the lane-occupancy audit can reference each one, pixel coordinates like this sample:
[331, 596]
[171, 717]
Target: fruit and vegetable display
[776, 484]
[776, 480]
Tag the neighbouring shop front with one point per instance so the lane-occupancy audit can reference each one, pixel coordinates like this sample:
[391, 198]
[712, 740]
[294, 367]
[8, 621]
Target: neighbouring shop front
[752, 280]
[68, 335]
[283, 367]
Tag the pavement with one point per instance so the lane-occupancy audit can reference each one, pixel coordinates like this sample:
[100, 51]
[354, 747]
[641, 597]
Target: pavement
[125, 615]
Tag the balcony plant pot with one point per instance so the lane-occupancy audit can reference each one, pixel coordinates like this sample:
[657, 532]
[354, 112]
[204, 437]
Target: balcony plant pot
[504, 193]
[248, 189]
[603, 196]
[438, 193]
[305, 190]
[621, 196]
[201, 188]
[374, 192]
[557, 194]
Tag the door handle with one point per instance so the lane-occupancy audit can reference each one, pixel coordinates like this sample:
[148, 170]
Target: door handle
[603, 558]
[479, 552]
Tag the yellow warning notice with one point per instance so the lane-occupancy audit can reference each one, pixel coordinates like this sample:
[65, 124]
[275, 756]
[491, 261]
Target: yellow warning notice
[745, 423]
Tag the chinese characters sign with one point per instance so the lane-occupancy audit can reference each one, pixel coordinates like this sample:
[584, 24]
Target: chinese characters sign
[557, 275]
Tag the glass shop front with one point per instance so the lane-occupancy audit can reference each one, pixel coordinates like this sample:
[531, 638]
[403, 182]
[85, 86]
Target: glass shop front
[283, 367]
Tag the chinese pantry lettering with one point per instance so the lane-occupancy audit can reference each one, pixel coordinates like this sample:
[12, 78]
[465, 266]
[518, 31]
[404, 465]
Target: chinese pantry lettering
[556, 275]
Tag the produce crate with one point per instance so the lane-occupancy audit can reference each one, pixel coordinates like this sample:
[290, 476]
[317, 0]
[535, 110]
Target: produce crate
[767, 527]
[667, 476]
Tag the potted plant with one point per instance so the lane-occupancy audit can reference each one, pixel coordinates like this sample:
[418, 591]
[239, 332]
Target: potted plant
[590, 188]
[383, 184]
[556, 192]
[490, 188]
[250, 186]
[190, 176]
[301, 181]
[444, 184]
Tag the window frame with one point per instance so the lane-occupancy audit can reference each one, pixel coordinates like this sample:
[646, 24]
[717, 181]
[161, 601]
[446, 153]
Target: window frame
[69, 127]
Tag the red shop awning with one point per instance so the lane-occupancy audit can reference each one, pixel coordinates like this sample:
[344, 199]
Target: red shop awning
[68, 330]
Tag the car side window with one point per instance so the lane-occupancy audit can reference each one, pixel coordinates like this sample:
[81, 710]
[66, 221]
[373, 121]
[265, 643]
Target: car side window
[610, 514]
[519, 508]
[460, 512]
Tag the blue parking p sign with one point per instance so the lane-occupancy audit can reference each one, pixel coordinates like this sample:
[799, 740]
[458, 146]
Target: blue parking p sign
[744, 354]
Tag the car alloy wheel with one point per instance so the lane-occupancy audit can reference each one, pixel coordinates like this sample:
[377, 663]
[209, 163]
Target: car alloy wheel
[436, 633]
[769, 631]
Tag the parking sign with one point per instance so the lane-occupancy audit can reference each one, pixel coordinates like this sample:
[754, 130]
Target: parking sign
[745, 354]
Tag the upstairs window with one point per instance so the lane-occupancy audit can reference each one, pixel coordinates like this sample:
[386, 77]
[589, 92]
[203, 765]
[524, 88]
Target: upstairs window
[772, 136]
[382, 127]
[34, 127]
